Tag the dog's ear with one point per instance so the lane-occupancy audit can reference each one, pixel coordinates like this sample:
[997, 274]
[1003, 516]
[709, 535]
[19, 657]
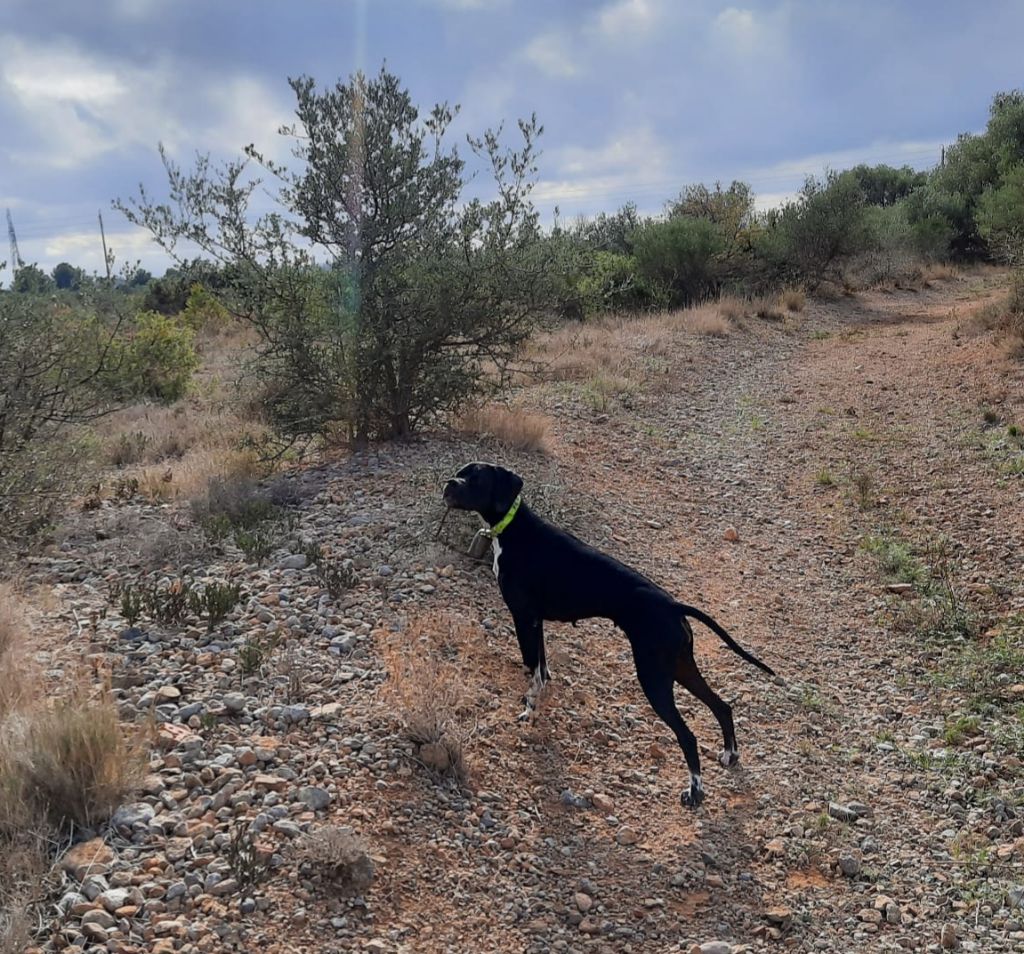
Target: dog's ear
[507, 485]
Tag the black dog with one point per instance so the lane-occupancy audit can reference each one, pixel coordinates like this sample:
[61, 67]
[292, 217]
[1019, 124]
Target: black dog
[547, 574]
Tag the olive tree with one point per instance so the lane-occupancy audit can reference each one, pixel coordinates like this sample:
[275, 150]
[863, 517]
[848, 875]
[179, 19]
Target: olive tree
[383, 294]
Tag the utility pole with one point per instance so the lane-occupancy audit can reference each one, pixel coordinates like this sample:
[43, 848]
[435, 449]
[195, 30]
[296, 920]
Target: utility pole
[16, 261]
[103, 237]
[942, 157]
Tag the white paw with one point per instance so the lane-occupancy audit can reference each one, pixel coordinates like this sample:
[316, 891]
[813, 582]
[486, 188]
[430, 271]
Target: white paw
[729, 757]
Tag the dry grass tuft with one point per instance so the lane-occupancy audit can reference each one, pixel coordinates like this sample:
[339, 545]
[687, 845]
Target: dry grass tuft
[14, 690]
[429, 695]
[793, 299]
[62, 767]
[340, 856]
[938, 272]
[73, 763]
[173, 451]
[768, 308]
[619, 348]
[732, 308]
[190, 476]
[514, 428]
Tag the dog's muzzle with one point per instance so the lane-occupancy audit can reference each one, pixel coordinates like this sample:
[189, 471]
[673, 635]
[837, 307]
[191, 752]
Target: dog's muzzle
[448, 495]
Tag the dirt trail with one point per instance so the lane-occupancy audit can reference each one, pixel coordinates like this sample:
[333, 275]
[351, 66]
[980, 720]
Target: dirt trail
[739, 433]
[864, 817]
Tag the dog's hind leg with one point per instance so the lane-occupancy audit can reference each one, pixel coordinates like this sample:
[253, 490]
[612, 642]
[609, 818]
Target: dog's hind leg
[655, 675]
[689, 676]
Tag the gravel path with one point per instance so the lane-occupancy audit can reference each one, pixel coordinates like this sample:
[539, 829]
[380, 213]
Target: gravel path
[879, 805]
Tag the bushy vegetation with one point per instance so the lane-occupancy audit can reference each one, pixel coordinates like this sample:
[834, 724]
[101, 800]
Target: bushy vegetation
[422, 289]
[385, 299]
[66, 360]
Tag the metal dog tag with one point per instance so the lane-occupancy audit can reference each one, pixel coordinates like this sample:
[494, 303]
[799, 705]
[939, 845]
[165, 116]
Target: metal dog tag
[478, 547]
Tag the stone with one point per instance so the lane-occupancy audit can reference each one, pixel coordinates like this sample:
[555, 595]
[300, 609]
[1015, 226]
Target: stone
[841, 812]
[782, 917]
[849, 864]
[603, 803]
[583, 901]
[114, 898]
[272, 782]
[234, 702]
[167, 694]
[99, 917]
[715, 947]
[128, 817]
[297, 561]
[328, 711]
[170, 735]
[626, 836]
[731, 535]
[947, 937]
[315, 798]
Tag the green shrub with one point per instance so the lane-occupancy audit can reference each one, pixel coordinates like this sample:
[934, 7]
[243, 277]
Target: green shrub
[203, 311]
[1001, 217]
[613, 283]
[681, 255]
[824, 225]
[428, 288]
[156, 359]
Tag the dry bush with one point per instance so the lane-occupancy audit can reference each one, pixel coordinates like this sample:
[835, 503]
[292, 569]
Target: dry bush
[939, 272]
[15, 686]
[69, 765]
[732, 308]
[707, 320]
[514, 428]
[429, 695]
[190, 476]
[768, 308]
[622, 346]
[339, 855]
[1007, 316]
[23, 866]
[793, 299]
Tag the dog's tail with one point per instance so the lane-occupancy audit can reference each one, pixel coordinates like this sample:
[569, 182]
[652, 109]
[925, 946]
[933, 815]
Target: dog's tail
[702, 617]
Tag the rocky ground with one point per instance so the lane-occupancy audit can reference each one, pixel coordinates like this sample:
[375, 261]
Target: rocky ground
[879, 804]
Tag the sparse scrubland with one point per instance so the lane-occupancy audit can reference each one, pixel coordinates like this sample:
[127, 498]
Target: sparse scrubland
[255, 698]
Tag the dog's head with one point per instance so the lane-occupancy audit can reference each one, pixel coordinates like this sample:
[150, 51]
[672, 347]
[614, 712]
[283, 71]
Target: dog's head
[488, 489]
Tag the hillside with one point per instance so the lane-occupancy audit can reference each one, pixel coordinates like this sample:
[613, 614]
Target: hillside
[879, 804]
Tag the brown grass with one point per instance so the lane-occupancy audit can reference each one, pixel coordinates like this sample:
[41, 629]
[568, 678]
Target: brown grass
[189, 477]
[514, 428]
[62, 767]
[15, 688]
[938, 272]
[173, 451]
[73, 763]
[624, 347]
[429, 695]
[793, 299]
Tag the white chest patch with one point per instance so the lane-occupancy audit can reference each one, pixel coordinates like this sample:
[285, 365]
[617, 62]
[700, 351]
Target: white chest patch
[496, 547]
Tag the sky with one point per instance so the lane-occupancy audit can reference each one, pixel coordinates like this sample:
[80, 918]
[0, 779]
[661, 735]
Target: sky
[638, 98]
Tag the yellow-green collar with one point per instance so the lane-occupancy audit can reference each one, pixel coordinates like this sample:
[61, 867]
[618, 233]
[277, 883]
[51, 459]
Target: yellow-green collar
[507, 519]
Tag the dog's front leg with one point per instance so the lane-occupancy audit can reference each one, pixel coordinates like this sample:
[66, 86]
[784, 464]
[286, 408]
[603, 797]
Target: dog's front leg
[530, 634]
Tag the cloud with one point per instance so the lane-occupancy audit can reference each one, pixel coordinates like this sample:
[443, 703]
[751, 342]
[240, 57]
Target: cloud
[75, 108]
[622, 168]
[737, 27]
[627, 18]
[83, 248]
[550, 53]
